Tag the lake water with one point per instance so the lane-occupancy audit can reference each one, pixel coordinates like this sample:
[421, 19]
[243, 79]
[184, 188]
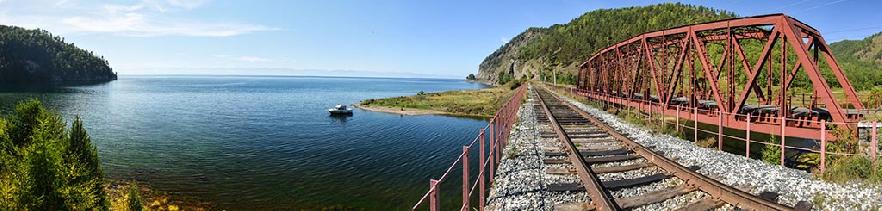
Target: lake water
[246, 143]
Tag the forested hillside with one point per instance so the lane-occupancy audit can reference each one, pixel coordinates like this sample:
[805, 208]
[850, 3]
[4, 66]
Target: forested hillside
[38, 56]
[861, 60]
[562, 47]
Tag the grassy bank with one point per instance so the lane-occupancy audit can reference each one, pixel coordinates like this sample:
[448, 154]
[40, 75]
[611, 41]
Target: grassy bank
[474, 103]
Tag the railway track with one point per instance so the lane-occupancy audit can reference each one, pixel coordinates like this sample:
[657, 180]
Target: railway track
[617, 173]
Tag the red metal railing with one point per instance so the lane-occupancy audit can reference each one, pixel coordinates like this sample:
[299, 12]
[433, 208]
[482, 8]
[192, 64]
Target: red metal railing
[499, 129]
[821, 135]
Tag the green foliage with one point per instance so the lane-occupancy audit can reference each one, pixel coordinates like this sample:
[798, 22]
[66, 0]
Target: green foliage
[854, 168]
[480, 103]
[133, 198]
[771, 153]
[46, 167]
[562, 45]
[24, 120]
[471, 77]
[514, 84]
[37, 55]
[503, 77]
[861, 60]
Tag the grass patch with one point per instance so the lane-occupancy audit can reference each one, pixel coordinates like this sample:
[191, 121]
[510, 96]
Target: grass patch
[708, 142]
[482, 102]
[857, 168]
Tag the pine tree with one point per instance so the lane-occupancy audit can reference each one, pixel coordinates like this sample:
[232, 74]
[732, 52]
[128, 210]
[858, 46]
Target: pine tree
[50, 168]
[84, 181]
[41, 183]
[134, 198]
[23, 121]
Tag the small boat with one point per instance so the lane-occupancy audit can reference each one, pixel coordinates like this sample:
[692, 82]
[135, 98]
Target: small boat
[340, 110]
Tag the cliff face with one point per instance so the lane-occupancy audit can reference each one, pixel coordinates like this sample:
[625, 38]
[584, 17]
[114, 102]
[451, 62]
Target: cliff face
[561, 48]
[505, 59]
[38, 56]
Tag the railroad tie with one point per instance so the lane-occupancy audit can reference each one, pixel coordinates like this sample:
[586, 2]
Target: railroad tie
[607, 159]
[619, 151]
[617, 169]
[555, 161]
[558, 170]
[563, 187]
[624, 183]
[554, 154]
[653, 197]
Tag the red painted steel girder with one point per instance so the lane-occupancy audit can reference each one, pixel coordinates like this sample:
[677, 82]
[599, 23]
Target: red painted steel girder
[677, 63]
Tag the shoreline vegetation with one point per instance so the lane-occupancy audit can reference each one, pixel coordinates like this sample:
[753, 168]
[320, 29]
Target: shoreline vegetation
[46, 165]
[121, 192]
[480, 103]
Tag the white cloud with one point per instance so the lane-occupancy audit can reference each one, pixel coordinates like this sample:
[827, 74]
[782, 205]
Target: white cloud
[187, 4]
[147, 18]
[139, 25]
[252, 59]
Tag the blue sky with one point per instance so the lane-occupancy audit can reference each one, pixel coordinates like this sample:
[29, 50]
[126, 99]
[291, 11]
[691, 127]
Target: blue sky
[444, 38]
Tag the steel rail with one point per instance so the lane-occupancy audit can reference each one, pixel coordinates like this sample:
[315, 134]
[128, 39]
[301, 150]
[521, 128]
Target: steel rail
[599, 198]
[716, 189]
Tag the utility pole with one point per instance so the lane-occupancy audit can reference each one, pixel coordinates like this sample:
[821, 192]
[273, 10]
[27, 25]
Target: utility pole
[554, 77]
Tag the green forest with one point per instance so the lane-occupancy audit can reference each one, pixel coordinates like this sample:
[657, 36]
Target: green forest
[38, 56]
[861, 60]
[566, 44]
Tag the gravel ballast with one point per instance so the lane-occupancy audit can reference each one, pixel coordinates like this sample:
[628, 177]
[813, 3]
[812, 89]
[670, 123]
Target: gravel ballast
[750, 175]
[521, 179]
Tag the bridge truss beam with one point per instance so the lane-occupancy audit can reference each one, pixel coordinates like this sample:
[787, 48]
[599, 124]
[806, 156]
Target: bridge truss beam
[727, 68]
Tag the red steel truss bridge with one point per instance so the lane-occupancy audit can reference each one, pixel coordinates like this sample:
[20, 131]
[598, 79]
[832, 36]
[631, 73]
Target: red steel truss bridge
[772, 70]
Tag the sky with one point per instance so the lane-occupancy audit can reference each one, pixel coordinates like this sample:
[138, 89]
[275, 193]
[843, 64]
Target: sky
[385, 38]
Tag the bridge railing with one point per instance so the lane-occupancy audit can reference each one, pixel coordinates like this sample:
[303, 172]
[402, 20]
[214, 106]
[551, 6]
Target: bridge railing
[498, 130]
[656, 113]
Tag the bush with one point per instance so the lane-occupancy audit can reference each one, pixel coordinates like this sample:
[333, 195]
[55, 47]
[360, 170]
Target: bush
[771, 153]
[133, 198]
[46, 167]
[852, 168]
[514, 84]
[503, 77]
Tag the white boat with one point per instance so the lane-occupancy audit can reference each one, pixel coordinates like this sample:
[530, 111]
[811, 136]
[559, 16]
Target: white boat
[340, 109]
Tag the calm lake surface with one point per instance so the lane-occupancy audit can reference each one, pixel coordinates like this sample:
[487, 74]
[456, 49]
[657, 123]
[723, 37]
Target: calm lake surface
[245, 143]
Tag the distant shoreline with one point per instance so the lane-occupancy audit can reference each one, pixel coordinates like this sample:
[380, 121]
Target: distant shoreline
[402, 111]
[288, 75]
[416, 112]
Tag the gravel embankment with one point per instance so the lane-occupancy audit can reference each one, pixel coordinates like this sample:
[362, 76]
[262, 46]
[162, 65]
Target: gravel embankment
[753, 176]
[521, 179]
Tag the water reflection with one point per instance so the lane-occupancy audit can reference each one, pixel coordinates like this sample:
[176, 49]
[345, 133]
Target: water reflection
[340, 118]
